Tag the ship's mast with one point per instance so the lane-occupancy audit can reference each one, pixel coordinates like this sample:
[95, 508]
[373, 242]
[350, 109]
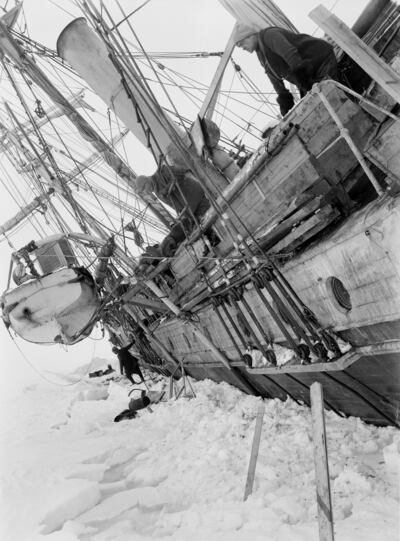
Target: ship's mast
[10, 48]
[37, 204]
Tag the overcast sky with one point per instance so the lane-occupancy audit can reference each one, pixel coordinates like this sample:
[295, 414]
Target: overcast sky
[162, 25]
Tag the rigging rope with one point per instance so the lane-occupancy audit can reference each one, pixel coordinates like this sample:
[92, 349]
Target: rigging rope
[41, 375]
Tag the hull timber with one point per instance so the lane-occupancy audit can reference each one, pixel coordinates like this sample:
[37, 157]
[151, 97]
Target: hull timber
[364, 383]
[302, 168]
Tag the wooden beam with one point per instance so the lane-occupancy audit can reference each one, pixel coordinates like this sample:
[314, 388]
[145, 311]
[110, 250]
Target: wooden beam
[209, 102]
[333, 366]
[137, 300]
[254, 451]
[363, 55]
[324, 501]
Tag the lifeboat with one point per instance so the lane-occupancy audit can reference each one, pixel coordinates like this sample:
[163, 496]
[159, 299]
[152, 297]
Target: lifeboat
[57, 306]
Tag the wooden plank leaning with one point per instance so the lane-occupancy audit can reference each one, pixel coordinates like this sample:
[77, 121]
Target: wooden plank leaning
[359, 51]
[324, 501]
[248, 489]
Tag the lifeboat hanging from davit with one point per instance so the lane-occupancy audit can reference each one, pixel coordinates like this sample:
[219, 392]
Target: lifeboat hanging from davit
[56, 301]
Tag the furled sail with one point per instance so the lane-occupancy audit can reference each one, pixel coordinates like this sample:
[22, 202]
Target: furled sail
[127, 95]
[258, 13]
[88, 55]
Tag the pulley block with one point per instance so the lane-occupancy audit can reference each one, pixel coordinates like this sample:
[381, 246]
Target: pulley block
[258, 280]
[267, 274]
[236, 293]
[321, 351]
[303, 352]
[330, 343]
[270, 356]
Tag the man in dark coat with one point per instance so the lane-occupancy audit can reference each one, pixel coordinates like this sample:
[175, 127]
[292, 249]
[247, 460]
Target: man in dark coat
[179, 189]
[128, 364]
[298, 58]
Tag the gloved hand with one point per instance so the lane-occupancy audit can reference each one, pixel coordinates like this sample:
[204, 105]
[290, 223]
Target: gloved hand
[285, 102]
[303, 75]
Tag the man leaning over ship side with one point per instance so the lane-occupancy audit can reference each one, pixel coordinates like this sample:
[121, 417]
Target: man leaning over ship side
[298, 58]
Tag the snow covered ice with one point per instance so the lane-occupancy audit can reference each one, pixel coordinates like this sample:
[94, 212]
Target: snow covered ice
[178, 473]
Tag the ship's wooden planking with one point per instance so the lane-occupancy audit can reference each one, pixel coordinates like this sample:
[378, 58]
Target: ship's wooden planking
[285, 171]
[284, 199]
[362, 384]
[360, 250]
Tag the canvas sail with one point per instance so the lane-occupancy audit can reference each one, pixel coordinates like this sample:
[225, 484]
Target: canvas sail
[88, 55]
[258, 13]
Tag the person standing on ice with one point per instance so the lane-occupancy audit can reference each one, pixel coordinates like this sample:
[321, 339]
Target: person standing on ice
[128, 364]
[298, 58]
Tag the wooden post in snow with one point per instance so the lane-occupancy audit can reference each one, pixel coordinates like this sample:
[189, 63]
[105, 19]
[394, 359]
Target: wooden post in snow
[324, 502]
[248, 489]
[359, 51]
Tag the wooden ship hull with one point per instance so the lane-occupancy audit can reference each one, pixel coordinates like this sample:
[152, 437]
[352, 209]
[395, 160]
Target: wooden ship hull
[307, 258]
[301, 281]
[346, 270]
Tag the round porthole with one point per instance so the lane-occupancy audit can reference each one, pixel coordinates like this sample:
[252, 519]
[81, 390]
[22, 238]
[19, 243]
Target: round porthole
[339, 294]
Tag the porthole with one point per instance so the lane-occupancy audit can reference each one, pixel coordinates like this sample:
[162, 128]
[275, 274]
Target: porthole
[339, 294]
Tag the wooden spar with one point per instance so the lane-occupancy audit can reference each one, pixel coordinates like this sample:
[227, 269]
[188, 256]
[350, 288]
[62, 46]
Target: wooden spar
[254, 451]
[208, 106]
[259, 17]
[324, 501]
[149, 304]
[363, 55]
[51, 113]
[37, 203]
